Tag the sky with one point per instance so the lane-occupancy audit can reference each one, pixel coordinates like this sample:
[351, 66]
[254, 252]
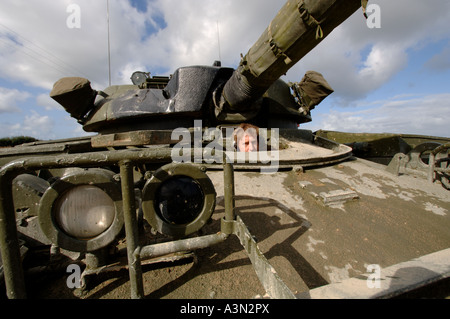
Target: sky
[390, 73]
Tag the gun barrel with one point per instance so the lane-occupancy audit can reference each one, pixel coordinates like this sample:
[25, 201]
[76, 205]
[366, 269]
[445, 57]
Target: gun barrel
[298, 27]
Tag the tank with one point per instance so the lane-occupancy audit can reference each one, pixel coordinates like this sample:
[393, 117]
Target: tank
[162, 202]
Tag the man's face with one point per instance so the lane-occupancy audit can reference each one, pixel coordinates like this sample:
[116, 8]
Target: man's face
[248, 143]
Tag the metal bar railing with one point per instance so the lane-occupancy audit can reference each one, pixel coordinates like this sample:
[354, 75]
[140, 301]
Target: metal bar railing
[126, 160]
[131, 229]
[9, 244]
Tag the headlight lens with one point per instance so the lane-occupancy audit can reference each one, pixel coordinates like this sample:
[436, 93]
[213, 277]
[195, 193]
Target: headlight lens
[84, 212]
[179, 200]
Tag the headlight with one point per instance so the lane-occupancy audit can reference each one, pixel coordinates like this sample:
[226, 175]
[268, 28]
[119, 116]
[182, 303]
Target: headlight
[178, 200]
[83, 210]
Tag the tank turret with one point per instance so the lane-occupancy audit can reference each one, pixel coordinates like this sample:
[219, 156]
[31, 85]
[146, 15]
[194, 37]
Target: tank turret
[215, 94]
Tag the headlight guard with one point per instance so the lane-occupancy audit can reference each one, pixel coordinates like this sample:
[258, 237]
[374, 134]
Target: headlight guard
[65, 234]
[178, 200]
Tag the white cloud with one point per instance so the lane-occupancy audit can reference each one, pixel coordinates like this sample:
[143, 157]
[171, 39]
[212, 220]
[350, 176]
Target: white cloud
[34, 121]
[37, 125]
[9, 99]
[357, 60]
[38, 48]
[377, 70]
[191, 35]
[47, 102]
[41, 48]
[408, 115]
[33, 125]
[44, 49]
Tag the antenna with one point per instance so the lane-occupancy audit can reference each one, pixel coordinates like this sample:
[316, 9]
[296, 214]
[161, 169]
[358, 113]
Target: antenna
[109, 44]
[218, 40]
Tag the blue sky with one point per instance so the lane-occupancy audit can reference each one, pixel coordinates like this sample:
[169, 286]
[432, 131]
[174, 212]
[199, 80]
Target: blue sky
[388, 79]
